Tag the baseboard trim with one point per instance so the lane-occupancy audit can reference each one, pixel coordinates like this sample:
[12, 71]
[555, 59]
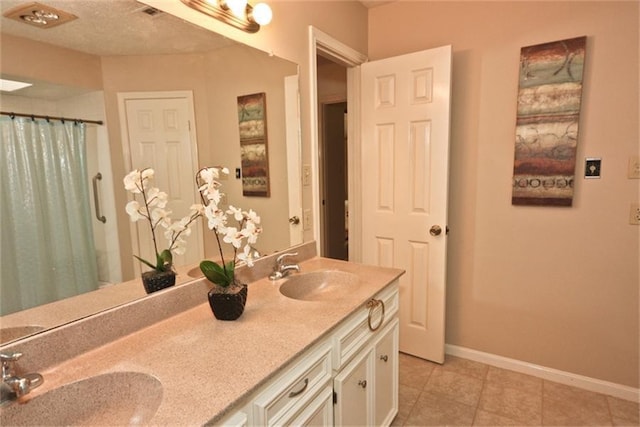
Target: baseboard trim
[563, 377]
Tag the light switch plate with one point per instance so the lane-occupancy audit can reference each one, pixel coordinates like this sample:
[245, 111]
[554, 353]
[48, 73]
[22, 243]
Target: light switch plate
[592, 167]
[306, 175]
[306, 219]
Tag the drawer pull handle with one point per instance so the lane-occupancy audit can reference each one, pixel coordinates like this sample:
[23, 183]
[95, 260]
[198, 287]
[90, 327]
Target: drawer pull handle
[372, 304]
[384, 358]
[362, 383]
[299, 392]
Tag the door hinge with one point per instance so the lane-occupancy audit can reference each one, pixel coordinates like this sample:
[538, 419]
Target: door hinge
[335, 397]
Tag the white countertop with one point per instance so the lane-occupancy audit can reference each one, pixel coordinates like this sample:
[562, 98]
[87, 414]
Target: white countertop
[207, 366]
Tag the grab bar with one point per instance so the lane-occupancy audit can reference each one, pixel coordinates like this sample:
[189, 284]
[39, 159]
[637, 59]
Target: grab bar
[100, 218]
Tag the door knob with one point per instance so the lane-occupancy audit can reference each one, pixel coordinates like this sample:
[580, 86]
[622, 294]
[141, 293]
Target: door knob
[294, 220]
[435, 230]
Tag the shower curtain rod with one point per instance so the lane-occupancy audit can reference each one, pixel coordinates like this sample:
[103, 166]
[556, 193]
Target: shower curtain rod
[62, 119]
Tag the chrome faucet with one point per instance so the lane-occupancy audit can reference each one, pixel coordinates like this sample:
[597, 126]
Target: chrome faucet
[14, 386]
[281, 269]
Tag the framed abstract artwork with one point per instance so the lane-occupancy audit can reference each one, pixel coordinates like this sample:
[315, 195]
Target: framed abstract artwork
[252, 124]
[549, 97]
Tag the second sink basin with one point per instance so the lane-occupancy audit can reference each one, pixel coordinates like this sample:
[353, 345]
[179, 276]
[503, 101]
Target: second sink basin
[119, 398]
[320, 285]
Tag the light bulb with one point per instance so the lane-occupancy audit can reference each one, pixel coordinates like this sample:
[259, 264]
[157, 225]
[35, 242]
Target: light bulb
[238, 7]
[262, 14]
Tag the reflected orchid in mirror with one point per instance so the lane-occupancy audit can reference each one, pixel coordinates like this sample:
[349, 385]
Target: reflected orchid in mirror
[152, 209]
[241, 236]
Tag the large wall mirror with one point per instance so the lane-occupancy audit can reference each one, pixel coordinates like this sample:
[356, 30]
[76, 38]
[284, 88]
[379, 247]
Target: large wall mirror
[121, 49]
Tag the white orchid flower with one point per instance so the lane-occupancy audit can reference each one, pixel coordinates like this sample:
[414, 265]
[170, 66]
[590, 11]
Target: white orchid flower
[132, 182]
[236, 212]
[216, 218]
[234, 237]
[246, 256]
[133, 209]
[158, 198]
[252, 216]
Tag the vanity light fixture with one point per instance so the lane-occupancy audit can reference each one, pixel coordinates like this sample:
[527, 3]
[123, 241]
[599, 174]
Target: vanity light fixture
[39, 15]
[237, 13]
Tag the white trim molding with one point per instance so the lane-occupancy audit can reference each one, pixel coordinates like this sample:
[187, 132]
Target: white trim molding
[551, 374]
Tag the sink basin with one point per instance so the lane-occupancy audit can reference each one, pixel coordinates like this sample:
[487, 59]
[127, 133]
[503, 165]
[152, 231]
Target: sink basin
[119, 398]
[15, 332]
[320, 285]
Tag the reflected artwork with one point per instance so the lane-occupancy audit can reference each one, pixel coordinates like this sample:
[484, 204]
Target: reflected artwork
[252, 124]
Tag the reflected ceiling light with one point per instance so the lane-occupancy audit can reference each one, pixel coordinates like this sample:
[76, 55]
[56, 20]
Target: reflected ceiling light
[39, 15]
[12, 85]
[237, 13]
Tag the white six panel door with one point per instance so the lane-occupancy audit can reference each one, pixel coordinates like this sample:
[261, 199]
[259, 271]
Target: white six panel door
[159, 137]
[405, 155]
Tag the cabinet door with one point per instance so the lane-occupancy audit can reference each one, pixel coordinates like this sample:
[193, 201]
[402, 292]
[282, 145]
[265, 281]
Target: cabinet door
[353, 392]
[386, 376]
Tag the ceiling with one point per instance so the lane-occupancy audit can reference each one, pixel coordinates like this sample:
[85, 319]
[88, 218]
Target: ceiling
[115, 27]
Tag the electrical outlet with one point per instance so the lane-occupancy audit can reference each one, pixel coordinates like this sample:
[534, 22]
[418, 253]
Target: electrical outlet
[634, 214]
[634, 167]
[306, 219]
[306, 175]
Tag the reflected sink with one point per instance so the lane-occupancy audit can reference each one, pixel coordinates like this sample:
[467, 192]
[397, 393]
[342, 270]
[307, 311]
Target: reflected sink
[320, 285]
[14, 332]
[195, 272]
[118, 398]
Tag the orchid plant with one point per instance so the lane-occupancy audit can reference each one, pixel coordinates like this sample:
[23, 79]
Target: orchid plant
[152, 209]
[241, 236]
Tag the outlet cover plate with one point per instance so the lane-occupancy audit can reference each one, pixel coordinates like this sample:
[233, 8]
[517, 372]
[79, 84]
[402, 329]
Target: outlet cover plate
[634, 214]
[634, 167]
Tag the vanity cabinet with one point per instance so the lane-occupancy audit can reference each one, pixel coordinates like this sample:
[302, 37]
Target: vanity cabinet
[349, 377]
[366, 389]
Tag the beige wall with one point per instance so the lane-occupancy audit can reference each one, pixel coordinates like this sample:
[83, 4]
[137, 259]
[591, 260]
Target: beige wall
[557, 287]
[63, 66]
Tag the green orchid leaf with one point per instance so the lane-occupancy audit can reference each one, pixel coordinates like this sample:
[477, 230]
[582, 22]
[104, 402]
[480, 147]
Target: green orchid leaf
[215, 273]
[144, 261]
[166, 257]
[230, 269]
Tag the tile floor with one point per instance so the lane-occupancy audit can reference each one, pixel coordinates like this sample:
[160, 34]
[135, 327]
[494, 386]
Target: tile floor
[462, 392]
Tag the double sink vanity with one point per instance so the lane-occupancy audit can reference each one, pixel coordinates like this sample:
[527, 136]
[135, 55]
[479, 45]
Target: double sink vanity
[316, 347]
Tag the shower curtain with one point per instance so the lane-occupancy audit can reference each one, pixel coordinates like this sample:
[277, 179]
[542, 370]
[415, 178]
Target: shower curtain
[48, 251]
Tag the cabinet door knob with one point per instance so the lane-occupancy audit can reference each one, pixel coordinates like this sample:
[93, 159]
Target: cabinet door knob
[384, 358]
[362, 383]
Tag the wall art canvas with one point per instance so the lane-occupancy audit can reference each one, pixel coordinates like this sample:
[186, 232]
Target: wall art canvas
[549, 96]
[252, 124]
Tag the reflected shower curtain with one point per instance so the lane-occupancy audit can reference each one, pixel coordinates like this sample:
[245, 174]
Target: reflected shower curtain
[48, 251]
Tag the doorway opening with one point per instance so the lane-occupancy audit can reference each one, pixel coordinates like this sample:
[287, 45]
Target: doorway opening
[335, 80]
[333, 158]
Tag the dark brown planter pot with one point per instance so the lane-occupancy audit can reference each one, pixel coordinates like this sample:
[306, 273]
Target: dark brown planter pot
[228, 305]
[154, 281]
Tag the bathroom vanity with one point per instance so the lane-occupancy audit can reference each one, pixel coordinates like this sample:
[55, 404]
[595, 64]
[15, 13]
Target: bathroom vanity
[299, 359]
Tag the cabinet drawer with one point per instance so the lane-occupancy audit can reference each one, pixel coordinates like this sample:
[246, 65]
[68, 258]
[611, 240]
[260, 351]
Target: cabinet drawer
[294, 388]
[355, 333]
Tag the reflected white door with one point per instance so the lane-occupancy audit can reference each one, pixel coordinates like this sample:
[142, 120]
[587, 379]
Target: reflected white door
[405, 151]
[160, 129]
[292, 123]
